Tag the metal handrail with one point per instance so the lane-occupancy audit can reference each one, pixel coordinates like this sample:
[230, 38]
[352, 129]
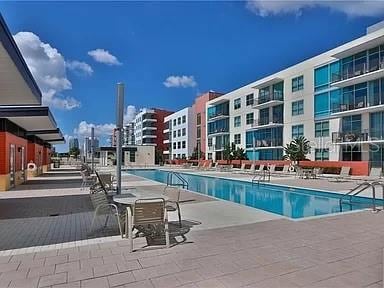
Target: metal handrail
[184, 183]
[360, 188]
[262, 177]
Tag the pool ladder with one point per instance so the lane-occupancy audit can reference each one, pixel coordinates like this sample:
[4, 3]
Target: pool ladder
[183, 183]
[265, 176]
[359, 189]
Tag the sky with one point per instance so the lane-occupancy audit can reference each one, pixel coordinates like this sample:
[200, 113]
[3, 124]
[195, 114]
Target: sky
[167, 53]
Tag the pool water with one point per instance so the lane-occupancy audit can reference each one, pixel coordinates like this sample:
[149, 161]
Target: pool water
[287, 201]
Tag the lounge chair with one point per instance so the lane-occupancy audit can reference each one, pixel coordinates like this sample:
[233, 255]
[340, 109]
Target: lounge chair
[102, 206]
[203, 166]
[251, 169]
[260, 169]
[242, 169]
[272, 168]
[149, 218]
[343, 176]
[374, 174]
[208, 167]
[173, 202]
[284, 172]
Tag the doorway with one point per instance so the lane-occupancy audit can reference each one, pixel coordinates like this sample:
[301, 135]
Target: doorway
[12, 162]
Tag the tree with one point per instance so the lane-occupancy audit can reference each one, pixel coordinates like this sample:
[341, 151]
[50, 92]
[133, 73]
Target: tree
[195, 155]
[231, 152]
[75, 152]
[297, 149]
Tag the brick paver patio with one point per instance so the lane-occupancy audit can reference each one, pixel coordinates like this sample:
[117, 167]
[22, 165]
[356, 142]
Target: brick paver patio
[338, 251]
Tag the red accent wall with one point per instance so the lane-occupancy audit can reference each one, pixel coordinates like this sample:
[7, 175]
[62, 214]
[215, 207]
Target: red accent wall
[34, 150]
[199, 107]
[160, 115]
[6, 139]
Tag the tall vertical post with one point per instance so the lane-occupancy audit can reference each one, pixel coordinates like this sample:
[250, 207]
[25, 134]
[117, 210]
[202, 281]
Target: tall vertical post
[119, 130]
[93, 148]
[254, 151]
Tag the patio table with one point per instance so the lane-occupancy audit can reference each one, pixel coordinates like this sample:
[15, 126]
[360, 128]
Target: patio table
[129, 198]
[307, 173]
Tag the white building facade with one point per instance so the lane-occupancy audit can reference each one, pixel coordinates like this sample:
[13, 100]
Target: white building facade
[180, 134]
[145, 127]
[335, 100]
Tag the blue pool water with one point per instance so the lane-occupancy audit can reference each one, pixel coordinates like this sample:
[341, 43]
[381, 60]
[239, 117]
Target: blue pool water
[287, 201]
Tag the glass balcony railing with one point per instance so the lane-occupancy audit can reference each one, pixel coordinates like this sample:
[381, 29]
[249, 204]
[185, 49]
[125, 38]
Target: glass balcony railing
[343, 137]
[356, 69]
[218, 130]
[265, 143]
[263, 122]
[342, 107]
[218, 114]
[276, 95]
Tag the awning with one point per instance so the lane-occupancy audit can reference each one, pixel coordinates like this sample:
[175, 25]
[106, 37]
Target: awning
[17, 85]
[37, 121]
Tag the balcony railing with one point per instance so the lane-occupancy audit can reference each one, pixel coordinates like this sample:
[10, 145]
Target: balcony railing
[277, 95]
[356, 70]
[218, 114]
[265, 143]
[342, 107]
[217, 131]
[216, 147]
[263, 122]
[340, 137]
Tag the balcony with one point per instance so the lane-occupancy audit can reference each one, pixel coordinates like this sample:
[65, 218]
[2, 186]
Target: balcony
[216, 148]
[273, 99]
[218, 116]
[262, 124]
[149, 126]
[357, 74]
[221, 131]
[266, 144]
[368, 136]
[358, 107]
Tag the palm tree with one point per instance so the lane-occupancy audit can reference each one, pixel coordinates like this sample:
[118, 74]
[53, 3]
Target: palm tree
[227, 153]
[297, 149]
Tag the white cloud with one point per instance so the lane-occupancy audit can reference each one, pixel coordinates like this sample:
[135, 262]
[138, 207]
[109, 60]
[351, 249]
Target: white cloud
[180, 81]
[48, 68]
[79, 67]
[84, 129]
[103, 56]
[354, 8]
[130, 114]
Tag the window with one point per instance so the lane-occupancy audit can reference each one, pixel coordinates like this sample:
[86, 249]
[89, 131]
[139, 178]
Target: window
[237, 139]
[174, 122]
[132, 157]
[237, 121]
[178, 145]
[179, 120]
[297, 131]
[198, 132]
[249, 100]
[322, 129]
[209, 142]
[182, 156]
[298, 83]
[264, 116]
[174, 145]
[178, 133]
[184, 119]
[174, 156]
[237, 103]
[249, 118]
[183, 132]
[174, 134]
[298, 107]
[183, 144]
[322, 154]
[198, 119]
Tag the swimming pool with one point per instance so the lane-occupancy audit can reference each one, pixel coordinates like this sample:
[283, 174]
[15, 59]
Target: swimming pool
[287, 201]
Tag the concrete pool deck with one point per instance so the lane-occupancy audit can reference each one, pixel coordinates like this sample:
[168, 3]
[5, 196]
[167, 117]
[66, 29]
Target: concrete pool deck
[234, 246]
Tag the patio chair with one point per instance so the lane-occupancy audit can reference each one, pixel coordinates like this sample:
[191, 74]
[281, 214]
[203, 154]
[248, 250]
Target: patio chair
[299, 172]
[284, 172]
[272, 168]
[251, 169]
[242, 169]
[102, 206]
[87, 180]
[108, 180]
[344, 174]
[260, 169]
[149, 218]
[173, 202]
[208, 166]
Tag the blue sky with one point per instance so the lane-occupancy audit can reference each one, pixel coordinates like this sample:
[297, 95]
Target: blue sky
[85, 48]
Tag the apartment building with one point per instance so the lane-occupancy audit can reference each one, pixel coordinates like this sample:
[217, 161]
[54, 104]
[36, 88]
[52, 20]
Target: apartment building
[180, 134]
[87, 146]
[335, 100]
[149, 127]
[201, 123]
[128, 135]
